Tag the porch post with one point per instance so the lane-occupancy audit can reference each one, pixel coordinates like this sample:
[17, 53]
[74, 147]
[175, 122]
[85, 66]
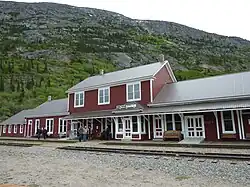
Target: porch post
[139, 126]
[217, 124]
[239, 123]
[182, 125]
[149, 131]
[242, 125]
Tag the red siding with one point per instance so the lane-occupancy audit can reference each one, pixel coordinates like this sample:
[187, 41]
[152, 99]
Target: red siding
[161, 78]
[117, 97]
[43, 124]
[245, 123]
[12, 134]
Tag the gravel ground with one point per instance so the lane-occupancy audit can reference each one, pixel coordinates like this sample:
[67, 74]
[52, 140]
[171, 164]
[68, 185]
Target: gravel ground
[47, 167]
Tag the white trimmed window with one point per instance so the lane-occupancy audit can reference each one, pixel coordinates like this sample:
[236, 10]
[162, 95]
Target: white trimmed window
[79, 99]
[227, 121]
[4, 129]
[9, 128]
[50, 125]
[37, 125]
[133, 91]
[135, 124]
[62, 126]
[15, 129]
[21, 128]
[143, 124]
[103, 96]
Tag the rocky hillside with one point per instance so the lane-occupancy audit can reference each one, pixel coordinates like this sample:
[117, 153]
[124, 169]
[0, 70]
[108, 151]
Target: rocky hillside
[45, 48]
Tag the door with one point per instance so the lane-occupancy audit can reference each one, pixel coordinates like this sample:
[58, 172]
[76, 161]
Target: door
[29, 128]
[128, 128]
[158, 131]
[195, 126]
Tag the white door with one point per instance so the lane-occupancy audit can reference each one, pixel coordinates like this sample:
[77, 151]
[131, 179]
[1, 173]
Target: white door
[29, 128]
[128, 128]
[195, 126]
[158, 124]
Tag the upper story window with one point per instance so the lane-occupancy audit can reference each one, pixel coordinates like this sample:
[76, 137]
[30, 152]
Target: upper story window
[103, 96]
[133, 91]
[228, 125]
[79, 99]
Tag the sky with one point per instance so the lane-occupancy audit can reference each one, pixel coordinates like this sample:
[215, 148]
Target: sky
[225, 17]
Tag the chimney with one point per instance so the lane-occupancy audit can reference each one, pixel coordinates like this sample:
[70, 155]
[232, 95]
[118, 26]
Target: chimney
[49, 98]
[101, 72]
[161, 57]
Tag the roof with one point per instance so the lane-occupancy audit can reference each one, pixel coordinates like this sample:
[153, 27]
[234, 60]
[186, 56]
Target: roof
[117, 77]
[199, 90]
[50, 108]
[201, 107]
[18, 118]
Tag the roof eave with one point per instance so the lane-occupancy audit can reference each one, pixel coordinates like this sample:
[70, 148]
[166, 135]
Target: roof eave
[198, 101]
[47, 115]
[118, 83]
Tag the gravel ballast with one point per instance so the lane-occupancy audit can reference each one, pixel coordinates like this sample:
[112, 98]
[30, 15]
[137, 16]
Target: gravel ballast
[48, 167]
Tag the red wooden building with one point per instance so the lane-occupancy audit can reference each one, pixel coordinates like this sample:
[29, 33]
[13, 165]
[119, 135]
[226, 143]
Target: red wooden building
[143, 102]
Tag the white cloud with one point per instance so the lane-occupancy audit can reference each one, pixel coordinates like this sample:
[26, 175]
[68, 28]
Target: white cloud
[226, 17]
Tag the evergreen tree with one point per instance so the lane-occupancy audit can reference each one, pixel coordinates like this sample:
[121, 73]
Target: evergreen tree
[45, 66]
[12, 86]
[1, 83]
[37, 67]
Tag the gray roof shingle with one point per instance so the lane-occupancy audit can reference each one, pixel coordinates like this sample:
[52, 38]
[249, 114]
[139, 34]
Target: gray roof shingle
[211, 88]
[50, 108]
[138, 72]
[18, 118]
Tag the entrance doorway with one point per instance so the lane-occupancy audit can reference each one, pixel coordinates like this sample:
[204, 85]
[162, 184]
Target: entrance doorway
[158, 124]
[194, 126]
[128, 128]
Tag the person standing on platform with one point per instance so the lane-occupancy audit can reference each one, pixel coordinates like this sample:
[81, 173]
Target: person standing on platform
[80, 131]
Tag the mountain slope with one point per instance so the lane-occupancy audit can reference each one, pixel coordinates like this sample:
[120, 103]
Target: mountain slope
[46, 48]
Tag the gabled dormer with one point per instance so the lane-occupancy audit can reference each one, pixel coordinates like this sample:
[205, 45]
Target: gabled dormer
[107, 90]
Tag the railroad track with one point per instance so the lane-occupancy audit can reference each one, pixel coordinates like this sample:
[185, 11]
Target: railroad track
[224, 156]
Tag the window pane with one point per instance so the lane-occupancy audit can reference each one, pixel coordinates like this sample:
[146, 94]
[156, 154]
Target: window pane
[136, 88]
[101, 100]
[101, 93]
[130, 96]
[106, 99]
[137, 95]
[106, 92]
[227, 115]
[169, 126]
[178, 125]
[135, 127]
[130, 88]
[228, 125]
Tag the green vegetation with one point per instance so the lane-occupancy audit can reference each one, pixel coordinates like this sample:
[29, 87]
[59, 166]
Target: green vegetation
[40, 58]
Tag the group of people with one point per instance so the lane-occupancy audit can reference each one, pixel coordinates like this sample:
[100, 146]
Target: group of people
[83, 133]
[42, 132]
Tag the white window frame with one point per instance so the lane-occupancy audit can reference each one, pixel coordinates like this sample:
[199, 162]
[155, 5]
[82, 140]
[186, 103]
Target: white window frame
[223, 124]
[103, 89]
[64, 123]
[133, 83]
[37, 125]
[9, 129]
[51, 125]
[77, 94]
[15, 129]
[21, 129]
[4, 129]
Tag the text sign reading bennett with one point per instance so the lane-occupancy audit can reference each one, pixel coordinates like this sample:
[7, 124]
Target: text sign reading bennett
[126, 106]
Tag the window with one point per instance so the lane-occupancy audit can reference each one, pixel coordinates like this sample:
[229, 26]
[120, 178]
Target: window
[9, 129]
[103, 96]
[4, 129]
[79, 99]
[143, 124]
[120, 125]
[133, 91]
[50, 125]
[228, 125]
[37, 125]
[134, 124]
[21, 128]
[15, 129]
[62, 126]
[177, 120]
[169, 122]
